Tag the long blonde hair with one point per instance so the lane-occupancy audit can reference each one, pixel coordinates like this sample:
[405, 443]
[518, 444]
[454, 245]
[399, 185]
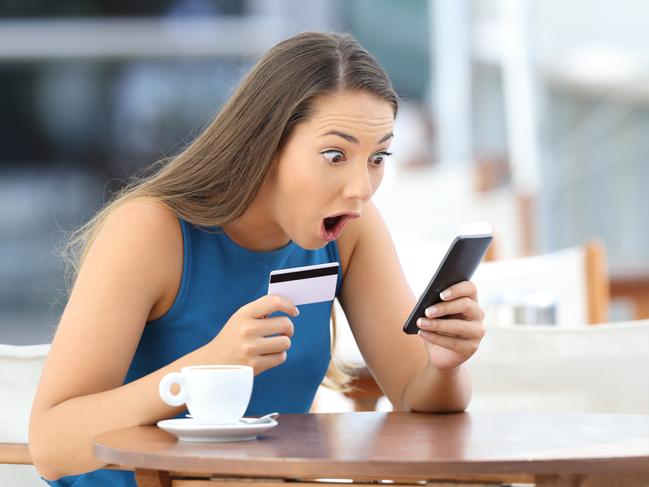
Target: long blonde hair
[215, 178]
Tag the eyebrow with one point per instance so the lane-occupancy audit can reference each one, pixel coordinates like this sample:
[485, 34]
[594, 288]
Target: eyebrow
[354, 140]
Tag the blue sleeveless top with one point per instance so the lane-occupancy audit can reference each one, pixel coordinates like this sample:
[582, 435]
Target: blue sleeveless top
[219, 277]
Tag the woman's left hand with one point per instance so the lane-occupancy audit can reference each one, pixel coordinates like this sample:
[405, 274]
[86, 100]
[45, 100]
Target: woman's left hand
[453, 329]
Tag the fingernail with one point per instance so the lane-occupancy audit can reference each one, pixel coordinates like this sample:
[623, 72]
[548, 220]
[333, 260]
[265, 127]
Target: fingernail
[297, 312]
[430, 312]
[423, 324]
[445, 294]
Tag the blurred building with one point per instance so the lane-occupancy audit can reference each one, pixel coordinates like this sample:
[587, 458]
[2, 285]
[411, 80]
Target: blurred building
[93, 92]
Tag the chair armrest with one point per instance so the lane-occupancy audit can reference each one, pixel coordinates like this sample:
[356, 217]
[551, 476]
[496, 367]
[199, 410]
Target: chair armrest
[365, 391]
[15, 453]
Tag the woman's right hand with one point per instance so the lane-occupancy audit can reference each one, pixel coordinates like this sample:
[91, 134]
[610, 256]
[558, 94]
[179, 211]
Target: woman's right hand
[250, 338]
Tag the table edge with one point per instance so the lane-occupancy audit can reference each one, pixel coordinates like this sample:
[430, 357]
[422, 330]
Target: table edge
[301, 468]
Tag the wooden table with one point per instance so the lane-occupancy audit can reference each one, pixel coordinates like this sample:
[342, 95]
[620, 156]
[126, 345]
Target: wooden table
[562, 449]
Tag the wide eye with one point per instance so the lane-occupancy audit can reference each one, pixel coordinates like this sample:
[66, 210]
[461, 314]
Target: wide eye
[379, 158]
[333, 156]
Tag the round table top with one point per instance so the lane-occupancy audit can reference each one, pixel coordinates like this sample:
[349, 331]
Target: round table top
[404, 445]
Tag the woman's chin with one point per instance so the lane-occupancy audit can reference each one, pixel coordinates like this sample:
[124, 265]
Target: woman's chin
[309, 243]
[312, 245]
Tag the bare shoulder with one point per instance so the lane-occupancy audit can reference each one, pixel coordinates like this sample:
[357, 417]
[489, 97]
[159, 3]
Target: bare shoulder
[145, 212]
[147, 227]
[150, 228]
[124, 278]
[362, 229]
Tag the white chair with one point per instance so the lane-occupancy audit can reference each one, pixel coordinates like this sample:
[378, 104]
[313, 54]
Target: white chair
[20, 370]
[603, 369]
[577, 276]
[419, 260]
[574, 280]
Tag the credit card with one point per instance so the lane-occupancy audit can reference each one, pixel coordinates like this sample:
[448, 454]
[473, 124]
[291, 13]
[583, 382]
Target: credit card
[305, 285]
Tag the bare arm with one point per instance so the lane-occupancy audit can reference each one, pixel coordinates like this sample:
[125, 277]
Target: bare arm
[377, 300]
[61, 435]
[436, 391]
[125, 275]
[80, 392]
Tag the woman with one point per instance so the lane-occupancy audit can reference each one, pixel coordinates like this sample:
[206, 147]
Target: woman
[174, 271]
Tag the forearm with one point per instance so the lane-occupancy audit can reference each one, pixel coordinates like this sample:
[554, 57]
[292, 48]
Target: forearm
[65, 431]
[434, 391]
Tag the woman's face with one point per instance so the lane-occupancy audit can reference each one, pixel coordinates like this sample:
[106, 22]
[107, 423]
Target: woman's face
[331, 165]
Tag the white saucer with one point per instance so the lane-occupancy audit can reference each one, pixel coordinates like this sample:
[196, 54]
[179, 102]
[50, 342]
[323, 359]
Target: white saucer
[186, 429]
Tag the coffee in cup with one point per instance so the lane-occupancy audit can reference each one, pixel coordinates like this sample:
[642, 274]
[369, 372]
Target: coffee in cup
[214, 394]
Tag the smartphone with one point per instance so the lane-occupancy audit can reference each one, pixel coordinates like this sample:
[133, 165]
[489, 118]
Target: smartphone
[459, 264]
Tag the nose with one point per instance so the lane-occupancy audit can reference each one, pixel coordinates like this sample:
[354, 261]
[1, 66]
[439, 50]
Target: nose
[359, 183]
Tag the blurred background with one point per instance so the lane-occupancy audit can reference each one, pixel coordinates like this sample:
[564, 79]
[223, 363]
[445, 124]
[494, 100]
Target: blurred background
[527, 118]
[531, 116]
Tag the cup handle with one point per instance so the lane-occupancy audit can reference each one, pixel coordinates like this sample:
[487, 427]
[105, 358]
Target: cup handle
[165, 385]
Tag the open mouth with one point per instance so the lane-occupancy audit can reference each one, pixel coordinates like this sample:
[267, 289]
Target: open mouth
[332, 226]
[332, 223]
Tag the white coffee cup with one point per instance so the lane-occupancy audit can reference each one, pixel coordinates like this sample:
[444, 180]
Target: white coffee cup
[214, 394]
